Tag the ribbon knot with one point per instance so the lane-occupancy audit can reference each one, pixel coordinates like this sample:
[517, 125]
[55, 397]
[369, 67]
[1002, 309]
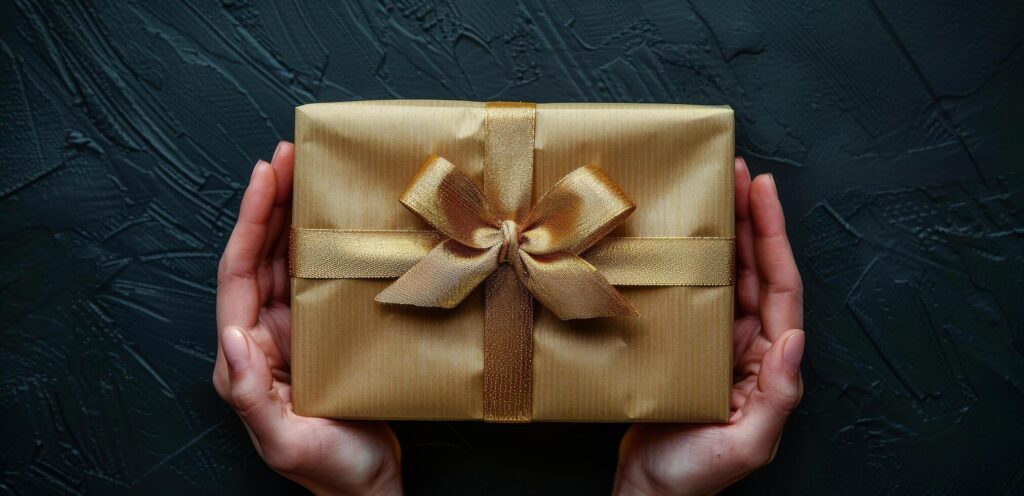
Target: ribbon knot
[543, 247]
[509, 242]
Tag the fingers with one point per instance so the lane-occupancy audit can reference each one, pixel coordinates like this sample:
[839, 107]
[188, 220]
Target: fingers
[747, 286]
[281, 163]
[251, 391]
[781, 291]
[778, 392]
[284, 165]
[238, 295]
[240, 277]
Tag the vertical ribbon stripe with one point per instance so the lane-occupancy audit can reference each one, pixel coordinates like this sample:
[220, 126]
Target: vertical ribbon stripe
[508, 312]
[508, 158]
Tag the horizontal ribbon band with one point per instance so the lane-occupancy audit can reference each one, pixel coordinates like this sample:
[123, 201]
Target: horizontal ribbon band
[624, 261]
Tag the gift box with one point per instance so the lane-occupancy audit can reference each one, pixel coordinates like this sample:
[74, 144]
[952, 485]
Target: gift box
[512, 262]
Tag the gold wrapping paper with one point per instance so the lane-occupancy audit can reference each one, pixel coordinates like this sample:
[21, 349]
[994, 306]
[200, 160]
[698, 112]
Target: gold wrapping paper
[355, 358]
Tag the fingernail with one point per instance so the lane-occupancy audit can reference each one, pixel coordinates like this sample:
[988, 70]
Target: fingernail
[793, 352]
[743, 167]
[260, 164]
[276, 149]
[236, 348]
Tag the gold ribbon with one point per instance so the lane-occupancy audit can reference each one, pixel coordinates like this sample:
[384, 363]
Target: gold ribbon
[553, 252]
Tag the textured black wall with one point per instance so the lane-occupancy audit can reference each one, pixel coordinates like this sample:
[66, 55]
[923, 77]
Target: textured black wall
[130, 128]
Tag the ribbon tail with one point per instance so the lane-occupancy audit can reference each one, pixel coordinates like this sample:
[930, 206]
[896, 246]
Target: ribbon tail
[444, 277]
[508, 348]
[572, 288]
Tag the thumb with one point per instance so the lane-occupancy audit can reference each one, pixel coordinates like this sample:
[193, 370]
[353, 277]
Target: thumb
[252, 395]
[778, 392]
[779, 376]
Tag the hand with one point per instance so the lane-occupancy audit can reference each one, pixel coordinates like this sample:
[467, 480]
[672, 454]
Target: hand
[768, 346]
[253, 356]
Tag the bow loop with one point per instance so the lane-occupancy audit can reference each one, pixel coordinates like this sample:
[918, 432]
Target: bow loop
[580, 209]
[449, 201]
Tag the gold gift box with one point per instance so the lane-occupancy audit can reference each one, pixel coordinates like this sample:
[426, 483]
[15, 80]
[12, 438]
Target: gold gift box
[355, 358]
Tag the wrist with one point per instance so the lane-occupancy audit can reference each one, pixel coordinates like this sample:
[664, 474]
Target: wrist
[384, 485]
[389, 484]
[385, 480]
[632, 480]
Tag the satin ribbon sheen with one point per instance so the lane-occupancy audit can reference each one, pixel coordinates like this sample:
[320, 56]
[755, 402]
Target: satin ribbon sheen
[553, 252]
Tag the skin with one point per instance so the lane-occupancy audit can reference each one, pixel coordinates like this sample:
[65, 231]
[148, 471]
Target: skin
[327, 456]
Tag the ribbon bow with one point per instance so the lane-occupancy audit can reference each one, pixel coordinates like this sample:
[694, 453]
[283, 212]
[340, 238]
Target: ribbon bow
[542, 248]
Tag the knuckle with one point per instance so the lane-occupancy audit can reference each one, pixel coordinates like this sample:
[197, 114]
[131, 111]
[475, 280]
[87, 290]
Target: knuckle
[223, 268]
[221, 282]
[784, 288]
[220, 384]
[230, 270]
[784, 402]
[789, 398]
[245, 401]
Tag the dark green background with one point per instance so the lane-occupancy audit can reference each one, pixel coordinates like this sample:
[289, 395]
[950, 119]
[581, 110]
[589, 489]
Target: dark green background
[129, 130]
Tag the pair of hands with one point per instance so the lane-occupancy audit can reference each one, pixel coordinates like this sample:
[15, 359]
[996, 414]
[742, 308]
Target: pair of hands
[348, 457]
